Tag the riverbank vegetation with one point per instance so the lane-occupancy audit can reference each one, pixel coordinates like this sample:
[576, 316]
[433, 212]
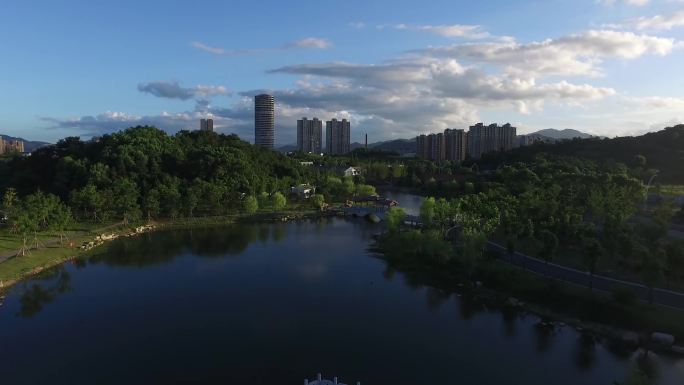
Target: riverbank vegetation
[69, 190]
[556, 208]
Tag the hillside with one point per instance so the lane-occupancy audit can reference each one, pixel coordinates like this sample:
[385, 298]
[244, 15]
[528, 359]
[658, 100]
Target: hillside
[663, 150]
[29, 145]
[560, 134]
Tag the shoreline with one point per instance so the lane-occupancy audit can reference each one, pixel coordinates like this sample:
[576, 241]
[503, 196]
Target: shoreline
[91, 242]
[522, 300]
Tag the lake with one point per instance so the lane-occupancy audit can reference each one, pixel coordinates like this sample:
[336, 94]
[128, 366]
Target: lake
[274, 304]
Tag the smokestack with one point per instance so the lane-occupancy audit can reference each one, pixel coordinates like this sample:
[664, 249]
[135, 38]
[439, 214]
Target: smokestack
[366, 142]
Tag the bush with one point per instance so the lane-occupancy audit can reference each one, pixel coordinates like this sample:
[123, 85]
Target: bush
[624, 296]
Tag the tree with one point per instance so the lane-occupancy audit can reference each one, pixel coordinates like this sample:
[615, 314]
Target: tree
[365, 190]
[395, 218]
[89, 200]
[60, 220]
[264, 200]
[250, 205]
[427, 211]
[652, 270]
[278, 201]
[125, 194]
[318, 201]
[591, 255]
[549, 247]
[151, 203]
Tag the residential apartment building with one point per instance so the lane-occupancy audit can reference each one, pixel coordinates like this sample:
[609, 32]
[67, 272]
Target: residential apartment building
[9, 146]
[455, 145]
[207, 124]
[337, 136]
[483, 139]
[309, 135]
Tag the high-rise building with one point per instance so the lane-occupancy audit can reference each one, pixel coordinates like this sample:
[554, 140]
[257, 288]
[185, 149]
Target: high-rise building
[207, 124]
[422, 147]
[337, 136]
[264, 120]
[9, 146]
[455, 143]
[483, 139]
[437, 147]
[309, 135]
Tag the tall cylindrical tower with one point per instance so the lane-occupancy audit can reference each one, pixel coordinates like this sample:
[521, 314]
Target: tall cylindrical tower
[264, 120]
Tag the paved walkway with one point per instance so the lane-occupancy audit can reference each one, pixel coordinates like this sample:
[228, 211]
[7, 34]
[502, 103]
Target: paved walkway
[563, 273]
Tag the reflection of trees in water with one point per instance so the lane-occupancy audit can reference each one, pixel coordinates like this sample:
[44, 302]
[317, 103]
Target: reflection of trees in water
[389, 272]
[585, 352]
[544, 337]
[163, 246]
[468, 307]
[435, 298]
[509, 317]
[647, 363]
[38, 294]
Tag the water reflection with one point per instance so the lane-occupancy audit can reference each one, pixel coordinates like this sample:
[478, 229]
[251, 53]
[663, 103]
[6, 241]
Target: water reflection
[585, 352]
[162, 247]
[544, 334]
[509, 319]
[42, 291]
[435, 298]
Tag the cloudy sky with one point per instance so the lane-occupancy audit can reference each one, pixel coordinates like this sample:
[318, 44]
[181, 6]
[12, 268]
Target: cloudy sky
[395, 68]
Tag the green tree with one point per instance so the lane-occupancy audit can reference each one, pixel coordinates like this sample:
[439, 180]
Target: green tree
[318, 201]
[151, 203]
[60, 220]
[395, 218]
[365, 190]
[125, 194]
[250, 205]
[427, 211]
[591, 255]
[549, 247]
[264, 200]
[278, 201]
[652, 270]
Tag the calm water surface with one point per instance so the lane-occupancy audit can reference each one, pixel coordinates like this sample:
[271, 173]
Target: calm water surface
[273, 304]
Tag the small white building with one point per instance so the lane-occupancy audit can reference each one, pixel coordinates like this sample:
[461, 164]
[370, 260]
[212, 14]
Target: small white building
[351, 171]
[303, 190]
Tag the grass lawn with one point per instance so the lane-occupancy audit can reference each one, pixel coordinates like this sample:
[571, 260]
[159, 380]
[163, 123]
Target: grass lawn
[672, 189]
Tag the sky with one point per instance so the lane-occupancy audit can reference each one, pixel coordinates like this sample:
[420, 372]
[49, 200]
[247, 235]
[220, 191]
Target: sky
[395, 68]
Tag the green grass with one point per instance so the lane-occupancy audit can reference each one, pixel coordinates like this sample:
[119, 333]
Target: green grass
[671, 189]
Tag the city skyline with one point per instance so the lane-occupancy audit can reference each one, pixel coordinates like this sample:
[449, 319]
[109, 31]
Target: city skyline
[611, 69]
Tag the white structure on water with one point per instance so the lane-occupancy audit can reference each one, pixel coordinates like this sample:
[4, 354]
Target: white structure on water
[320, 381]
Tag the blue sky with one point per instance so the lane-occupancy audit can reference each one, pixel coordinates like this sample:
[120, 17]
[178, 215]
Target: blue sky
[395, 68]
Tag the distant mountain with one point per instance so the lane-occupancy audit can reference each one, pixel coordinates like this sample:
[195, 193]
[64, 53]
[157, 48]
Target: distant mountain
[28, 145]
[561, 134]
[287, 148]
[400, 146]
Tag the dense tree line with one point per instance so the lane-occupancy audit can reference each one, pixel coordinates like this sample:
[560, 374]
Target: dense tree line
[144, 172]
[556, 203]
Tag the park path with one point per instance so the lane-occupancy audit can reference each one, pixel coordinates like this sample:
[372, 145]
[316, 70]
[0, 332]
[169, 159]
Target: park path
[563, 273]
[53, 241]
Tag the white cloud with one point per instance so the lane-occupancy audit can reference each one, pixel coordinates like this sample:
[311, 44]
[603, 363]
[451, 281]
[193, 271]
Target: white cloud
[450, 31]
[578, 54]
[656, 23]
[357, 24]
[306, 43]
[310, 42]
[173, 90]
[636, 3]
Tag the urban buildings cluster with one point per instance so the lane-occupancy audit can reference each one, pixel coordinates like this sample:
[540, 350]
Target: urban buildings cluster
[457, 145]
[310, 136]
[10, 146]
